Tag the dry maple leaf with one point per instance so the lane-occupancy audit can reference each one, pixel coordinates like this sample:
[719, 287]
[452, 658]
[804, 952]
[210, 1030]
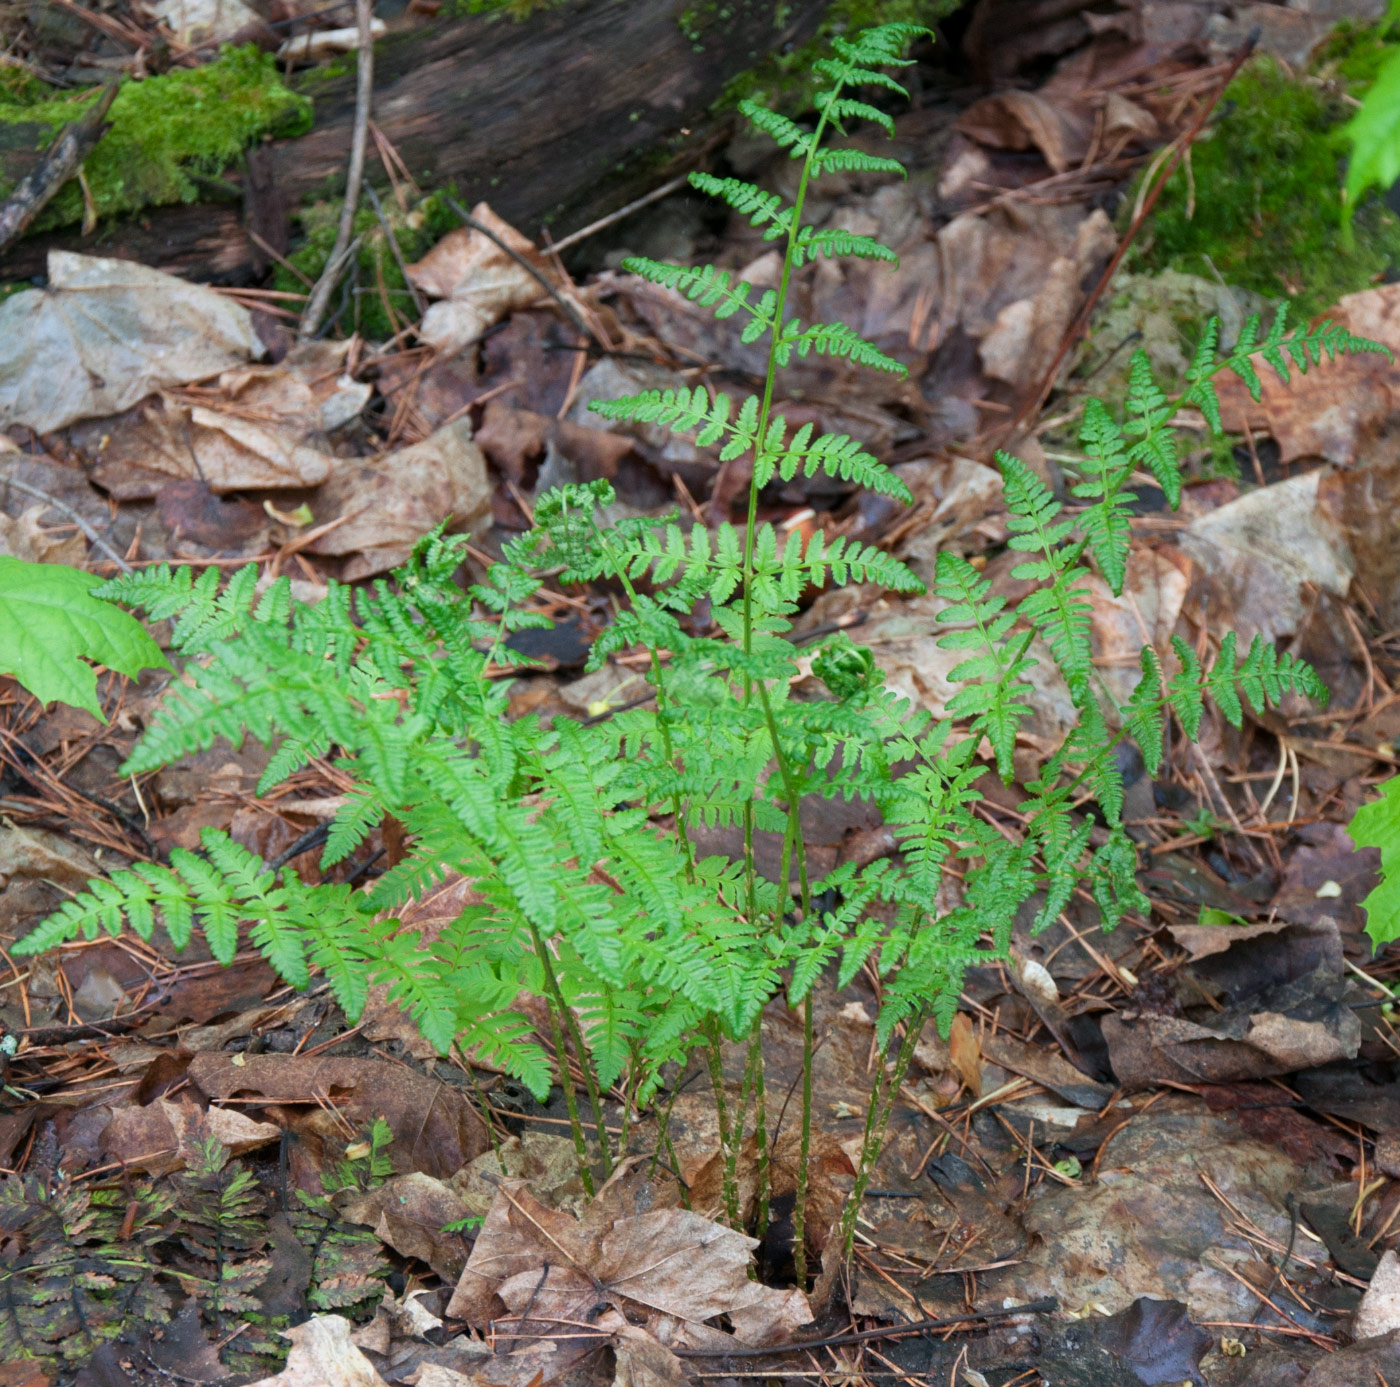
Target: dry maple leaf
[537, 1261]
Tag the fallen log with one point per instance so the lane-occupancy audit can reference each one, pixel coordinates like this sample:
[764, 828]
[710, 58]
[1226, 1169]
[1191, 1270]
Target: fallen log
[552, 119]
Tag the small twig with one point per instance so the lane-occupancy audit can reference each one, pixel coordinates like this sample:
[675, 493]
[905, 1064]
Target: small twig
[394, 248]
[865, 1336]
[622, 213]
[1077, 328]
[364, 97]
[532, 270]
[64, 509]
[63, 158]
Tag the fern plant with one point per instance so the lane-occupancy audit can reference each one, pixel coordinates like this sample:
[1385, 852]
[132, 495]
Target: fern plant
[78, 1269]
[591, 894]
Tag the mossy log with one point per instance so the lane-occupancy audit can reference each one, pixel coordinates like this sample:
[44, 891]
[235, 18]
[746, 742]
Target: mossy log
[552, 119]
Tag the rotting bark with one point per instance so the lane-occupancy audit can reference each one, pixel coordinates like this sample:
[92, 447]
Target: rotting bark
[548, 119]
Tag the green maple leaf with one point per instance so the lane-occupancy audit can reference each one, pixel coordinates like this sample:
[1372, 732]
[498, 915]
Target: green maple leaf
[1377, 825]
[50, 624]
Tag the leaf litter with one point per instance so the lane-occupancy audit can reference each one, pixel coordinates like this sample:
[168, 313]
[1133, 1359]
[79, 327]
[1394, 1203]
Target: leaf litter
[1183, 1134]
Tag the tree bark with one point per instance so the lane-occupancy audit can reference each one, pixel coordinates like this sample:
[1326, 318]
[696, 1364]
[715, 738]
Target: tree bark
[548, 119]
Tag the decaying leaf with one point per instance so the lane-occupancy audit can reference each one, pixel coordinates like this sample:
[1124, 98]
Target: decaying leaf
[382, 506]
[104, 334]
[668, 1261]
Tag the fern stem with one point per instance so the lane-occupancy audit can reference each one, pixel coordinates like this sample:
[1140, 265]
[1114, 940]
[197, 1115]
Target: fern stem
[590, 1079]
[483, 1105]
[663, 704]
[760, 1131]
[877, 1117]
[771, 372]
[715, 1055]
[799, 1208]
[555, 1006]
[753, 1061]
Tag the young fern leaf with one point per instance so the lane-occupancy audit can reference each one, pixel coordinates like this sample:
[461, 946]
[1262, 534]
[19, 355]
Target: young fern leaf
[710, 288]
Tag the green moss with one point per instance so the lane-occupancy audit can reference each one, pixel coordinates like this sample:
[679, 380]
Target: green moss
[514, 9]
[1264, 210]
[166, 132]
[416, 232]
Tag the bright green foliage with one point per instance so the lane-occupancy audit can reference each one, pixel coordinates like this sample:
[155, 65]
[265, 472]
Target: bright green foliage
[166, 132]
[590, 891]
[1377, 825]
[1374, 133]
[70, 1279]
[50, 623]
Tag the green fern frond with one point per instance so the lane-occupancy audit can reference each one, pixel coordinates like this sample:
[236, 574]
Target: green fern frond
[833, 242]
[767, 210]
[833, 339]
[710, 288]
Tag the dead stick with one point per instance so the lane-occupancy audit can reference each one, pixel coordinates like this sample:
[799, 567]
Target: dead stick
[59, 164]
[354, 175]
[865, 1336]
[1077, 328]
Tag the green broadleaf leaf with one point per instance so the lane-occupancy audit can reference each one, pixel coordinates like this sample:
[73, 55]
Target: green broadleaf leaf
[1377, 825]
[50, 623]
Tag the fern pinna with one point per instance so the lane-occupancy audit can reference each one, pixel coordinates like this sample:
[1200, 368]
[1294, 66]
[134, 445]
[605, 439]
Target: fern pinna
[590, 893]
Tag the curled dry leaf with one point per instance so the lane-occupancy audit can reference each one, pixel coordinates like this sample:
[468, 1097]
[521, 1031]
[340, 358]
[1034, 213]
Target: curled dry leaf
[106, 333]
[476, 282]
[1020, 120]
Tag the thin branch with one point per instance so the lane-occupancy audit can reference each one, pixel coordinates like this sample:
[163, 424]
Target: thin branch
[865, 1336]
[64, 509]
[394, 248]
[364, 97]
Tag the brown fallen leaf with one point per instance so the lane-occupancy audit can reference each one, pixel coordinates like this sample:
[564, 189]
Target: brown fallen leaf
[1019, 120]
[1261, 552]
[322, 1355]
[436, 1130]
[517, 440]
[385, 505]
[966, 1053]
[166, 1136]
[670, 1261]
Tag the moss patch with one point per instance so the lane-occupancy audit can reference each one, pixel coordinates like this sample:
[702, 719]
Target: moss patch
[375, 273]
[1265, 213]
[165, 131]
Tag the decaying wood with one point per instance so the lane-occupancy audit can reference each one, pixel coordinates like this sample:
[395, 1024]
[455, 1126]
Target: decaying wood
[62, 160]
[548, 118]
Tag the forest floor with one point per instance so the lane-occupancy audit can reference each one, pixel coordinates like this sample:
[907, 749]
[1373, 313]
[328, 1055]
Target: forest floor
[1165, 1154]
